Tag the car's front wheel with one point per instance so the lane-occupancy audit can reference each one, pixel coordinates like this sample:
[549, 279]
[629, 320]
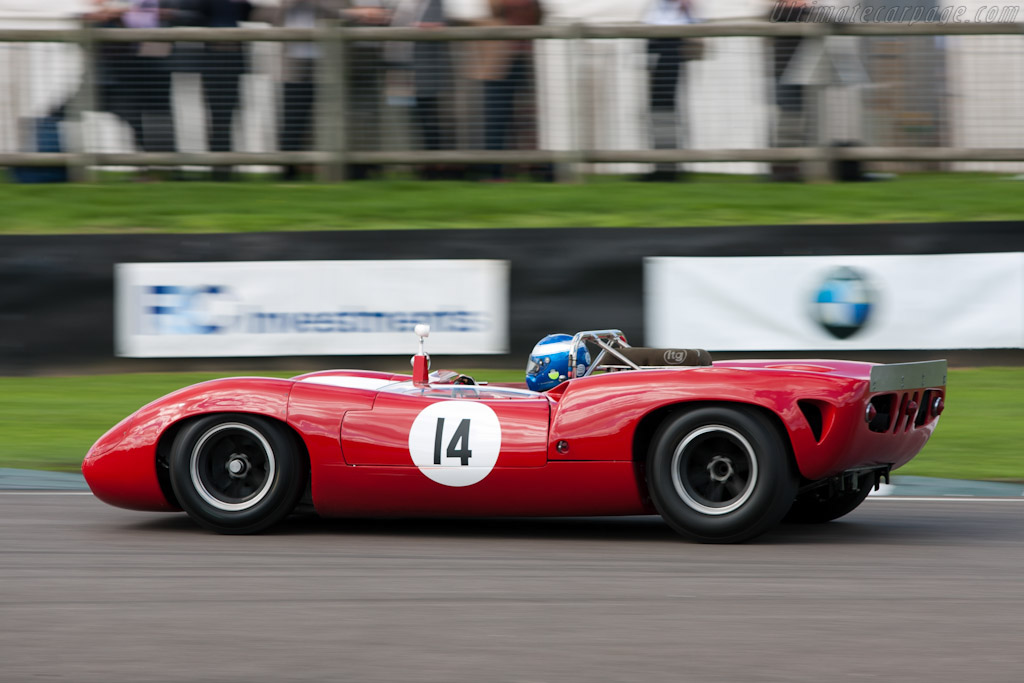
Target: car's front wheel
[720, 474]
[236, 473]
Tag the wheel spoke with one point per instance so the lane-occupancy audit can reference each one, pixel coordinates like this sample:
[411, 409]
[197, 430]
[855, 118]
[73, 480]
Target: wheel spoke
[222, 449]
[219, 478]
[229, 490]
[699, 480]
[258, 473]
[742, 468]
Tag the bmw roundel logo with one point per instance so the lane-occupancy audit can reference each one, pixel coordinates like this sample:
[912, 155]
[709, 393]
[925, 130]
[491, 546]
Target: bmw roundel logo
[844, 302]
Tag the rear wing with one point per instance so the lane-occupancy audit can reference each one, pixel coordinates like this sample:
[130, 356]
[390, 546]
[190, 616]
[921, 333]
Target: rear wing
[901, 376]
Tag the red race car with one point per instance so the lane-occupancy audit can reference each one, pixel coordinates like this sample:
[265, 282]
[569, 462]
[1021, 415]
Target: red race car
[722, 451]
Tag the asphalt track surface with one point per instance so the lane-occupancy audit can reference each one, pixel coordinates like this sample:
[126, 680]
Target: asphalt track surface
[900, 590]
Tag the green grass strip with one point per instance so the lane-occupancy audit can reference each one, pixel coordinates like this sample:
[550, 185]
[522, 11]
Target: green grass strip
[50, 422]
[190, 207]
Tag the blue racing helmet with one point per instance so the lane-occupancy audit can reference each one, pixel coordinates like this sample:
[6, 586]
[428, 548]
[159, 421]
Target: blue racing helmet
[549, 362]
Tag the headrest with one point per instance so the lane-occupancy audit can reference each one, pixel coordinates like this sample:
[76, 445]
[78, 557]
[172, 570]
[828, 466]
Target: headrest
[661, 357]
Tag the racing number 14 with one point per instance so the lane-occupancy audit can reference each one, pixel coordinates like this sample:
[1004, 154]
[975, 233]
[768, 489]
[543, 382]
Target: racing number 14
[458, 447]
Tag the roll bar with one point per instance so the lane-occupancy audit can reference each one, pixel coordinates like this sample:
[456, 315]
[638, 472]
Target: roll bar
[607, 340]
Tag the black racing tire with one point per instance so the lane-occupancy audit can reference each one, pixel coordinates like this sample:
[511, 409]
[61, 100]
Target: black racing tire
[237, 474]
[720, 474]
[817, 508]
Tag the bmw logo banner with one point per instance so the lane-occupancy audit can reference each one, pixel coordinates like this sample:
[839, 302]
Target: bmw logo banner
[295, 308]
[764, 303]
[843, 302]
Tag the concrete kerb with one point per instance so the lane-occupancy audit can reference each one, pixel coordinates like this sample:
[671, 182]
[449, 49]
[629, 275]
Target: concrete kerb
[36, 480]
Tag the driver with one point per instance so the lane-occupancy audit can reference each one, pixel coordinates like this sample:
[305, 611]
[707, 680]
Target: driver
[549, 362]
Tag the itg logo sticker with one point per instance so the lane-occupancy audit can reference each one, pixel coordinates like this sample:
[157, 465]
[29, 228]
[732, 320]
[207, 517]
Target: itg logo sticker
[674, 356]
[844, 302]
[455, 443]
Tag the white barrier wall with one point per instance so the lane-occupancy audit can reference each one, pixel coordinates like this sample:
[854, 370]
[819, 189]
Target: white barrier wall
[948, 301]
[35, 78]
[986, 91]
[294, 308]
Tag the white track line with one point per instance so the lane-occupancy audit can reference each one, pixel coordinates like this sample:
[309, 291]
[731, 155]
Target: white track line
[943, 499]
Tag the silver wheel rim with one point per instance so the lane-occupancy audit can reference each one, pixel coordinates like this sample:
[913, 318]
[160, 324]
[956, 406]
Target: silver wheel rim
[232, 467]
[714, 470]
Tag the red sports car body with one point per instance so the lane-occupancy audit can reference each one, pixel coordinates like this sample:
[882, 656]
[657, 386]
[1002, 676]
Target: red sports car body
[723, 451]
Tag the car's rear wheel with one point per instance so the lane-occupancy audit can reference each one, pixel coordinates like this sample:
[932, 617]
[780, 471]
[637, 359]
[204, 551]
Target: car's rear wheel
[816, 507]
[720, 474]
[235, 473]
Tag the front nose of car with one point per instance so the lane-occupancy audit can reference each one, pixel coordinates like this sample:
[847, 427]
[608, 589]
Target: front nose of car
[109, 441]
[121, 470]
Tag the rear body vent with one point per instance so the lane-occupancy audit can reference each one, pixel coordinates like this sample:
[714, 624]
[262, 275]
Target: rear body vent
[900, 412]
[910, 405]
[926, 400]
[819, 415]
[884, 407]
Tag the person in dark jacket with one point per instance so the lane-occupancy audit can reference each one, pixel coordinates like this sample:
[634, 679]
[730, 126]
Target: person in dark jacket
[432, 74]
[506, 69]
[221, 66]
[133, 80]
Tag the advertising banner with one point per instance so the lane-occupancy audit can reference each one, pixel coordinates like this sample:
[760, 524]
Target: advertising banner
[792, 303]
[295, 308]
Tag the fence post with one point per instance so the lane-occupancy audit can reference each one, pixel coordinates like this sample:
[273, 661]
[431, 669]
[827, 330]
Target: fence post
[570, 171]
[82, 169]
[816, 110]
[331, 105]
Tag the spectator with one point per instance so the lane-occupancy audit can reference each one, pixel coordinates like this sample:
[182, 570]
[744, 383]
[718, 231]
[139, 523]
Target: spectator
[789, 129]
[506, 68]
[365, 60]
[299, 73]
[221, 65]
[432, 77]
[667, 78]
[365, 73]
[133, 80]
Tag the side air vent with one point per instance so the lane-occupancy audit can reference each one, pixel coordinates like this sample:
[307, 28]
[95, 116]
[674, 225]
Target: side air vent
[819, 416]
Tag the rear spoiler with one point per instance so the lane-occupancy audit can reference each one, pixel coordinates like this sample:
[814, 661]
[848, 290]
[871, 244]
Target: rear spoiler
[901, 376]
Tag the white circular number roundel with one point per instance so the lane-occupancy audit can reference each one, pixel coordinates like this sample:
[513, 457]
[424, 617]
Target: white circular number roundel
[455, 443]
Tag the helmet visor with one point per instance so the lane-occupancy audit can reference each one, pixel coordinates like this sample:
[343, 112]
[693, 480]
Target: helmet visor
[536, 364]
